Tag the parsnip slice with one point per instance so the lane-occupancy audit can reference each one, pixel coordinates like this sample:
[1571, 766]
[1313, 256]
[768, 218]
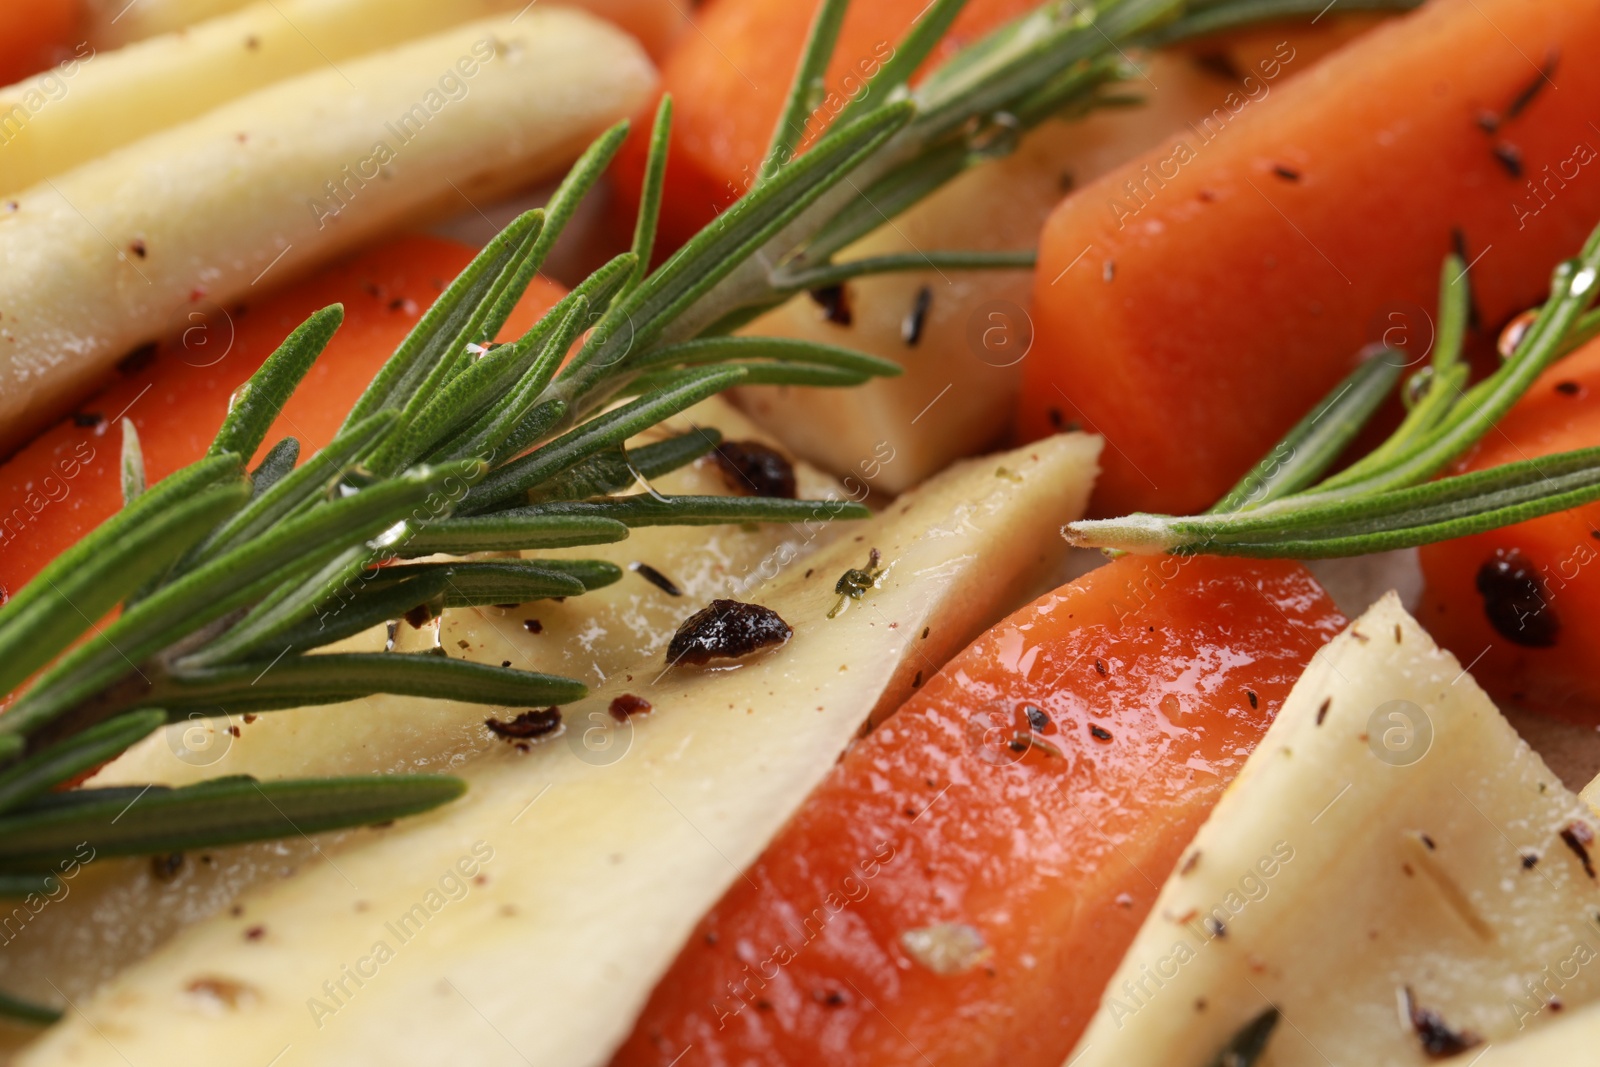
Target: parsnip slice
[1393, 867]
[591, 638]
[121, 250]
[84, 109]
[116, 23]
[590, 872]
[1567, 1038]
[1563, 1040]
[118, 911]
[100, 101]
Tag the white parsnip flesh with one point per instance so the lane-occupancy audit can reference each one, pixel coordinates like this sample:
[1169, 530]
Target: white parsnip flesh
[557, 891]
[1394, 871]
[1567, 1039]
[112, 254]
[99, 101]
[591, 638]
[117, 911]
[116, 23]
[964, 368]
[85, 109]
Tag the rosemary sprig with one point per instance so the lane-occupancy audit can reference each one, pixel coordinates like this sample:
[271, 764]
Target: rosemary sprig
[1389, 498]
[229, 580]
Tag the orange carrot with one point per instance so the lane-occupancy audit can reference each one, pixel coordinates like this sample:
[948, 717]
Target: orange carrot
[1196, 303]
[1523, 602]
[33, 35]
[66, 481]
[964, 883]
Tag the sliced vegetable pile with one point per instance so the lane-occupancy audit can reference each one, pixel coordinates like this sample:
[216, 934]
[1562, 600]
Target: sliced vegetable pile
[1113, 829]
[228, 577]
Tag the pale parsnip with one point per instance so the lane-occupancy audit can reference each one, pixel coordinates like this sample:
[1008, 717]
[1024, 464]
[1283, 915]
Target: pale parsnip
[104, 100]
[591, 637]
[108, 256]
[592, 875]
[1569, 1039]
[116, 23]
[1330, 880]
[116, 912]
[962, 376]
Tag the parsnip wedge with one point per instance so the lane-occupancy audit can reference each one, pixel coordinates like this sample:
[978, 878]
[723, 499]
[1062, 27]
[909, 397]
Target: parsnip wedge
[100, 101]
[583, 875]
[110, 255]
[66, 117]
[1394, 871]
[1566, 1039]
[116, 912]
[116, 23]
[591, 638]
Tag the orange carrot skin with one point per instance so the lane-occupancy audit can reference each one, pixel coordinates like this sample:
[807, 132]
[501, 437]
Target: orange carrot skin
[1158, 678]
[1523, 603]
[36, 33]
[729, 79]
[66, 482]
[1193, 312]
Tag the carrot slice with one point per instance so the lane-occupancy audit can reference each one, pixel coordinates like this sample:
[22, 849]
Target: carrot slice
[1523, 602]
[1193, 305]
[945, 898]
[32, 36]
[729, 80]
[67, 481]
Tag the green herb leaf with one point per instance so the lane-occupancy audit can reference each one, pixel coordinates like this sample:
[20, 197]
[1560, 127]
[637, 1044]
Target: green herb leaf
[38, 774]
[809, 88]
[229, 812]
[276, 465]
[651, 191]
[649, 510]
[439, 326]
[306, 681]
[21, 886]
[602, 432]
[132, 464]
[476, 584]
[617, 469]
[511, 531]
[256, 404]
